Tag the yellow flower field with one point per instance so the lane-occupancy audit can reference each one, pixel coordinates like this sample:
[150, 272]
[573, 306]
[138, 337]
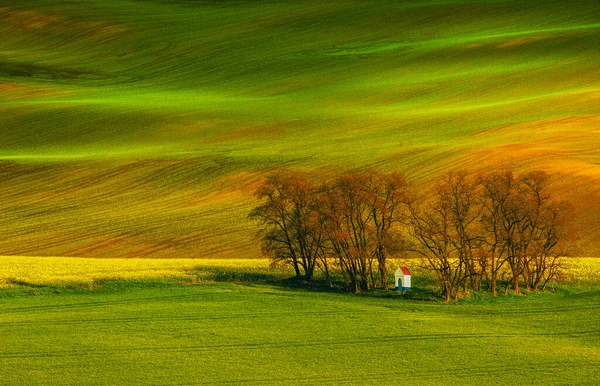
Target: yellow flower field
[582, 268]
[68, 271]
[75, 270]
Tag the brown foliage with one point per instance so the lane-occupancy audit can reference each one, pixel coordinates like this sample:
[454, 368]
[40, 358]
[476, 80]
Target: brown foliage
[291, 233]
[470, 233]
[447, 233]
[359, 213]
[351, 220]
[475, 228]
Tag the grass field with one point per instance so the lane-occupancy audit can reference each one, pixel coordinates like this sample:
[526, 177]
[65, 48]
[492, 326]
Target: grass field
[189, 321]
[264, 334]
[140, 128]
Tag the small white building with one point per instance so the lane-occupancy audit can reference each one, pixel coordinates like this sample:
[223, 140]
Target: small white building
[402, 276]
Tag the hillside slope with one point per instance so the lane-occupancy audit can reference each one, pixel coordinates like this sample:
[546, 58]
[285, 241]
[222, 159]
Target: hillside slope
[140, 128]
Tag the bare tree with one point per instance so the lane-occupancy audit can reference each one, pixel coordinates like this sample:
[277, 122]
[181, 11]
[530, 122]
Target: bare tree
[290, 232]
[546, 232]
[525, 229]
[472, 231]
[388, 195]
[497, 189]
[359, 214]
[346, 218]
[462, 196]
[447, 236]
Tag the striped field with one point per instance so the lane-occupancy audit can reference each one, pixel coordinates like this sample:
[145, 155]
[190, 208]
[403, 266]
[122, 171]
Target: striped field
[139, 128]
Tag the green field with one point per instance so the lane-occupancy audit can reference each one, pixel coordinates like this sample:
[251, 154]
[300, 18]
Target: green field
[188, 321]
[140, 128]
[245, 333]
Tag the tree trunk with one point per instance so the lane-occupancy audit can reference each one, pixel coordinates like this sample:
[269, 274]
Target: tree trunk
[297, 270]
[516, 284]
[384, 275]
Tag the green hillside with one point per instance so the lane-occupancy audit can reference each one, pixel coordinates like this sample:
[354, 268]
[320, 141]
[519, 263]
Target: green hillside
[140, 128]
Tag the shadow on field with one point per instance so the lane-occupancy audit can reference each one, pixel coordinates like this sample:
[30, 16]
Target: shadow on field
[202, 275]
[424, 289]
[293, 284]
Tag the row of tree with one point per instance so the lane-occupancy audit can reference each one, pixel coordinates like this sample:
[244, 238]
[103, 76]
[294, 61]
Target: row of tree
[478, 231]
[473, 232]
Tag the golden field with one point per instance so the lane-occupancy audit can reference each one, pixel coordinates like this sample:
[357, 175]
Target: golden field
[73, 271]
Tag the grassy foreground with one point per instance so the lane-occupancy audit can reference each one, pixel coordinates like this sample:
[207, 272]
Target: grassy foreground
[262, 334]
[140, 321]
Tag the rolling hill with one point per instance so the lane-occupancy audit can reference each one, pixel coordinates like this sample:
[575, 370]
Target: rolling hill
[141, 128]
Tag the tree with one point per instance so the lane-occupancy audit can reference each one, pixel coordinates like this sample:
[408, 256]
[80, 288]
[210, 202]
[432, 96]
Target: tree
[345, 217]
[388, 195]
[524, 228]
[545, 231]
[497, 223]
[446, 233]
[290, 233]
[359, 213]
[472, 231]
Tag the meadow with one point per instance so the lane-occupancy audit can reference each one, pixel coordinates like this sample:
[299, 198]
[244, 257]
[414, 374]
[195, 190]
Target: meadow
[243, 332]
[141, 128]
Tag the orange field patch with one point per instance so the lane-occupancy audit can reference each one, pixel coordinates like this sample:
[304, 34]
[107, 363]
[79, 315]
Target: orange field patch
[566, 148]
[16, 91]
[236, 188]
[17, 20]
[26, 19]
